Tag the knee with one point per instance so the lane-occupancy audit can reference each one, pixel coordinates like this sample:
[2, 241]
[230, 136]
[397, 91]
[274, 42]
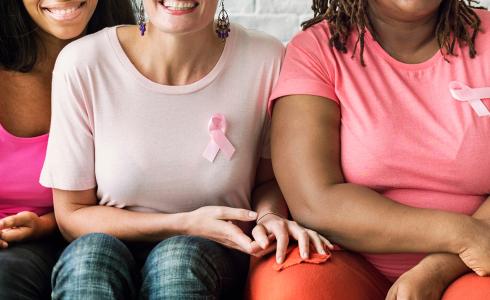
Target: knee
[182, 254]
[182, 263]
[343, 277]
[93, 252]
[469, 286]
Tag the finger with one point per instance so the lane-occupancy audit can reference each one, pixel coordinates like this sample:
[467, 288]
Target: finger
[3, 245]
[235, 235]
[263, 252]
[21, 219]
[391, 293]
[317, 242]
[301, 235]
[281, 233]
[259, 233]
[327, 242]
[229, 213]
[16, 235]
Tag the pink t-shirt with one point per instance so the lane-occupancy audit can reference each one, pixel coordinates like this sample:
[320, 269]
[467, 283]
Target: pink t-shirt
[21, 160]
[402, 133]
[142, 143]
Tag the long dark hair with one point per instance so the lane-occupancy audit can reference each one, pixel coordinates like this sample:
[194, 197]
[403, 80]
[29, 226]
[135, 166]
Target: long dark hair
[19, 42]
[457, 22]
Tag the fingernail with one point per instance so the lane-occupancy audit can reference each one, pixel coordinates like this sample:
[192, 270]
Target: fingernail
[279, 259]
[252, 214]
[323, 252]
[304, 254]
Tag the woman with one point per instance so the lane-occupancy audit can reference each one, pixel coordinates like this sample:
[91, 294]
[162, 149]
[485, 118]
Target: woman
[394, 165]
[32, 33]
[158, 137]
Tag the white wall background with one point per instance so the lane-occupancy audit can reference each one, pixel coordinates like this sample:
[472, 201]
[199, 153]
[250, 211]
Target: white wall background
[281, 18]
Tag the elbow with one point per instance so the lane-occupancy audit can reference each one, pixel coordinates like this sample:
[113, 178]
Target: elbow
[319, 211]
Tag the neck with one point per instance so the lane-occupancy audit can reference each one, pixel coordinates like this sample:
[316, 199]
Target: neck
[48, 52]
[392, 34]
[182, 59]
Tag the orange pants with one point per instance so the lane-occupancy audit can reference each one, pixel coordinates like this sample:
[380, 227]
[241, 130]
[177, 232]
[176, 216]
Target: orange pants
[345, 276]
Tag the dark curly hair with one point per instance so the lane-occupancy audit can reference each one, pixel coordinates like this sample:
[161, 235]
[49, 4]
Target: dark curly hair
[19, 42]
[457, 22]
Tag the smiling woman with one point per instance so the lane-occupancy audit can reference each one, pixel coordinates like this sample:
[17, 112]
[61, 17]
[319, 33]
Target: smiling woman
[32, 33]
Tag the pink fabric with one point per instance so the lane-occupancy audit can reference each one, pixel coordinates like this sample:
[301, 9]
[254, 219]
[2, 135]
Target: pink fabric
[21, 160]
[403, 134]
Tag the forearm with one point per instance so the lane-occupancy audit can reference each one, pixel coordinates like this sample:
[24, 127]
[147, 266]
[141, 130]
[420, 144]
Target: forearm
[121, 223]
[47, 226]
[450, 266]
[362, 220]
[268, 198]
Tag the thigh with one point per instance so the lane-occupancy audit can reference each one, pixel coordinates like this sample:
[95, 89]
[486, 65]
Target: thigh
[469, 286]
[95, 266]
[344, 276]
[26, 268]
[185, 267]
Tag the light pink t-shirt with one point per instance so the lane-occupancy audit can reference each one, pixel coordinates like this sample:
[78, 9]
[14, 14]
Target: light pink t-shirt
[402, 133]
[141, 143]
[21, 160]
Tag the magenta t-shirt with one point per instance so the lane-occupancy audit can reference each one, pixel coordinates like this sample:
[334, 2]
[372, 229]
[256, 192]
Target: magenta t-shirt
[403, 133]
[21, 160]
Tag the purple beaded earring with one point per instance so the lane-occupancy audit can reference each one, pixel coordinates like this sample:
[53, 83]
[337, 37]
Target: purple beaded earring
[223, 23]
[141, 18]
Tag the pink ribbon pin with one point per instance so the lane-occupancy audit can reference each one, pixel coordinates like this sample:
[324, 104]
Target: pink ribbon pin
[473, 96]
[219, 141]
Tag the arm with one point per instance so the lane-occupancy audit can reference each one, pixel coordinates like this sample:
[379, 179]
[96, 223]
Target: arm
[78, 213]
[273, 221]
[447, 266]
[309, 173]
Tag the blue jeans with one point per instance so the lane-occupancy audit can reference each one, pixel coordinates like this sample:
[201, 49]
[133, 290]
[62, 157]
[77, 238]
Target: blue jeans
[98, 266]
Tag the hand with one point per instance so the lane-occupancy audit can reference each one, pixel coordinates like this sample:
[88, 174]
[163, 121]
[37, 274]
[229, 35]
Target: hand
[272, 226]
[216, 223]
[418, 283]
[20, 227]
[474, 252]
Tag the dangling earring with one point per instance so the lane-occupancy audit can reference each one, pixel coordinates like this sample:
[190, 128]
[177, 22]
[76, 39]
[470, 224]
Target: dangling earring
[141, 18]
[223, 23]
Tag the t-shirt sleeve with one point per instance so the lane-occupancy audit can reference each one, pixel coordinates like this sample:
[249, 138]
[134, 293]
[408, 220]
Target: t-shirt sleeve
[305, 70]
[70, 161]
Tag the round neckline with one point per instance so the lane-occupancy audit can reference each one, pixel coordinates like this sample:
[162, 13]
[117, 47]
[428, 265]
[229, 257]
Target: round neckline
[171, 89]
[398, 64]
[18, 139]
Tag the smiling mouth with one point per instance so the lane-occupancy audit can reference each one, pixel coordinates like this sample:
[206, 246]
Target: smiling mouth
[64, 11]
[179, 5]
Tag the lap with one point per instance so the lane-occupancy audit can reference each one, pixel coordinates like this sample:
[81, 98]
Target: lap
[26, 268]
[469, 286]
[345, 275]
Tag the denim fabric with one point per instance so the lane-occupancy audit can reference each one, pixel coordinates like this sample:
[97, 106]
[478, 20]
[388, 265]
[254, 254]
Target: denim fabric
[25, 269]
[95, 266]
[99, 266]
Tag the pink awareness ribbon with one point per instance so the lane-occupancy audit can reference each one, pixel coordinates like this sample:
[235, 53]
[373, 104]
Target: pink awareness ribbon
[219, 141]
[473, 96]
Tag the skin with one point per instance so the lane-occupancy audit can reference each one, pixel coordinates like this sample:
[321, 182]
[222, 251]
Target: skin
[26, 102]
[311, 176]
[187, 49]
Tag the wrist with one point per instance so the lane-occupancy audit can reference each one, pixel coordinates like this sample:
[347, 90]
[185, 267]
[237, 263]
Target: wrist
[462, 234]
[263, 215]
[443, 267]
[184, 223]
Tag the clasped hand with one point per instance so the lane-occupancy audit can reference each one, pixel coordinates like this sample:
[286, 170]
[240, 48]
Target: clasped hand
[271, 233]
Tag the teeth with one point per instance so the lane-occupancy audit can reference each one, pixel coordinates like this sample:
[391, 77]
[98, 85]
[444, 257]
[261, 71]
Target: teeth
[179, 5]
[62, 12]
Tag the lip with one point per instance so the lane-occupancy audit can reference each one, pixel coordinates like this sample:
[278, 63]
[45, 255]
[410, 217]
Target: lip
[50, 10]
[177, 12]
